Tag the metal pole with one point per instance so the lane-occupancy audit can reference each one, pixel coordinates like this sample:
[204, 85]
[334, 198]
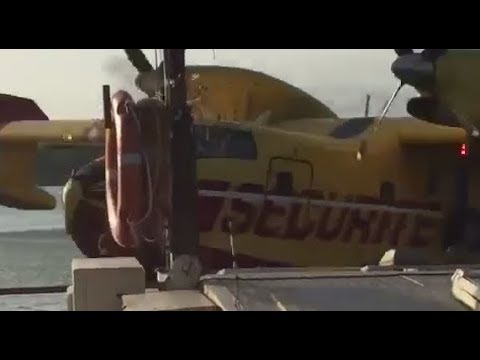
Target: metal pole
[184, 195]
[107, 107]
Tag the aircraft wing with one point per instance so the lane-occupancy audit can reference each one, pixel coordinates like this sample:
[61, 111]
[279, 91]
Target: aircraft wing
[54, 132]
[432, 135]
[21, 143]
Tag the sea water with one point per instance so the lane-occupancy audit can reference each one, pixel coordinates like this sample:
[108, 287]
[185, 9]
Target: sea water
[34, 251]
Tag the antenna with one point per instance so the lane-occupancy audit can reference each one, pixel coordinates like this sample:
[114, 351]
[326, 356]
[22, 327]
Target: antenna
[367, 105]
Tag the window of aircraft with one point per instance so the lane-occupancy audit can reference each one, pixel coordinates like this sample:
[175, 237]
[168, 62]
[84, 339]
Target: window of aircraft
[282, 184]
[352, 128]
[216, 142]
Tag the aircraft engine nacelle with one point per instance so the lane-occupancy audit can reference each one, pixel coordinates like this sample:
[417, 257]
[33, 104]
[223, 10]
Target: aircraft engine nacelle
[448, 82]
[458, 84]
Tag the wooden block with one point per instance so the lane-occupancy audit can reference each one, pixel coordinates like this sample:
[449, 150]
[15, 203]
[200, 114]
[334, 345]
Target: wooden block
[465, 298]
[470, 287]
[466, 290]
[221, 296]
[180, 300]
[98, 284]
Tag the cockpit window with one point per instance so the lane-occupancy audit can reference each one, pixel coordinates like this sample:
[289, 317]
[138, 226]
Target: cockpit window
[215, 142]
[352, 128]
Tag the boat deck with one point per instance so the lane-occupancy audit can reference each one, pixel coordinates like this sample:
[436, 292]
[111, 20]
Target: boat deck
[301, 290]
[368, 289]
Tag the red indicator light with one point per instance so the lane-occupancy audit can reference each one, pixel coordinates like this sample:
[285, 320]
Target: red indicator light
[464, 150]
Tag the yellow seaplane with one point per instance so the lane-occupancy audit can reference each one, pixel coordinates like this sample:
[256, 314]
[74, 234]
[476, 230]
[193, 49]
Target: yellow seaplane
[280, 172]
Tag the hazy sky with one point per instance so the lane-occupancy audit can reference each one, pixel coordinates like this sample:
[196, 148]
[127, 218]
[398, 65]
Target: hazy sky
[67, 84]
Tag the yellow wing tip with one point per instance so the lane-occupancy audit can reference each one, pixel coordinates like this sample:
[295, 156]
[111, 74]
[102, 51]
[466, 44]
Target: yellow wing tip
[433, 135]
[27, 199]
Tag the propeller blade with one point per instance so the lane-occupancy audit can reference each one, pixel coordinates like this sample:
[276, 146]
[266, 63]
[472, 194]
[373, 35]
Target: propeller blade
[402, 52]
[151, 82]
[415, 70]
[139, 60]
[431, 110]
[432, 55]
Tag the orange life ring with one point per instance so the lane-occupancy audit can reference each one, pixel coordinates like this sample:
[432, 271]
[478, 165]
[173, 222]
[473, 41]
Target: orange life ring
[124, 171]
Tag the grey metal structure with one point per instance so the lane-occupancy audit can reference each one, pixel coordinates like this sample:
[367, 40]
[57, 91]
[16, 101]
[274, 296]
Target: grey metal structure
[333, 290]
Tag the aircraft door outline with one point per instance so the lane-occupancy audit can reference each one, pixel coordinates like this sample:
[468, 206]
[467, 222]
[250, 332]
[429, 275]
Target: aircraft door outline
[295, 162]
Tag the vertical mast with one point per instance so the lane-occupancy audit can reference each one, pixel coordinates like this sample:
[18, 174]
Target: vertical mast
[184, 214]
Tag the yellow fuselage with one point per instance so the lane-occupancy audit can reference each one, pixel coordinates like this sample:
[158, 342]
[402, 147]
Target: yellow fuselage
[334, 214]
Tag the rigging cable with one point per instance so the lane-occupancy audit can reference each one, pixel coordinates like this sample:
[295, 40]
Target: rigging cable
[151, 180]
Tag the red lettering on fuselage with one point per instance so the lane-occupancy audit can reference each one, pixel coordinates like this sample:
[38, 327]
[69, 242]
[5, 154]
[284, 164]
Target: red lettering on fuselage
[242, 214]
[399, 225]
[328, 229]
[421, 228]
[210, 207]
[359, 223]
[297, 229]
[295, 219]
[269, 210]
[383, 228]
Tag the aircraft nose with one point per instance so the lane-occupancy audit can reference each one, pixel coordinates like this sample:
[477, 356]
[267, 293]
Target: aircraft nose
[414, 70]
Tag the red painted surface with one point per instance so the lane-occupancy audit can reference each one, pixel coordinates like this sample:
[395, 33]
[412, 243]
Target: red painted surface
[400, 224]
[262, 227]
[382, 229]
[210, 207]
[422, 233]
[359, 222]
[330, 227]
[296, 229]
